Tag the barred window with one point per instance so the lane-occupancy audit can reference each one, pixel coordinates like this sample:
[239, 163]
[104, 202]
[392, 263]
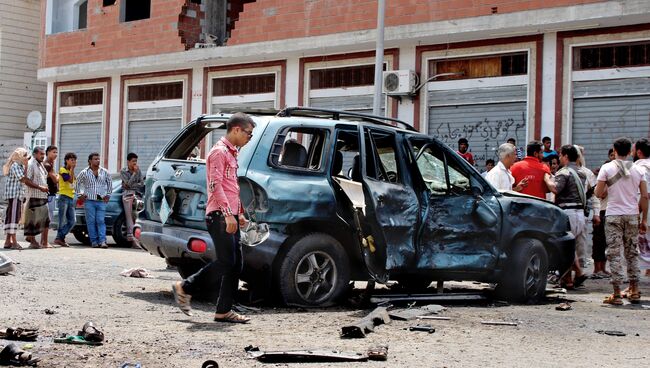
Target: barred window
[243, 85]
[156, 92]
[82, 98]
[612, 56]
[481, 67]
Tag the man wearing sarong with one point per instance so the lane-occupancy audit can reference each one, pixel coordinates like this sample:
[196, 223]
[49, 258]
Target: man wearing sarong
[37, 216]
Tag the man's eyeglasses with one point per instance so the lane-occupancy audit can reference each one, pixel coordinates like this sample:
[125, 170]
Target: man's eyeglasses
[248, 132]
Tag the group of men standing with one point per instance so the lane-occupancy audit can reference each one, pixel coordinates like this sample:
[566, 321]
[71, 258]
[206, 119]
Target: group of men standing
[619, 193]
[36, 183]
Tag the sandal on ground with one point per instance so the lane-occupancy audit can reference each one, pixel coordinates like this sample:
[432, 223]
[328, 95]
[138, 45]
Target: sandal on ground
[13, 355]
[21, 334]
[75, 340]
[91, 333]
[633, 297]
[626, 293]
[579, 280]
[182, 299]
[613, 299]
[232, 317]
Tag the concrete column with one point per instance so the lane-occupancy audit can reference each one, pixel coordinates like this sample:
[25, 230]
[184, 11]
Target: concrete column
[550, 61]
[196, 104]
[292, 83]
[113, 133]
[405, 107]
[49, 107]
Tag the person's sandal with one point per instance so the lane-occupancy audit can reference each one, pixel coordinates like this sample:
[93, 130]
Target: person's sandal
[232, 317]
[13, 355]
[613, 299]
[579, 280]
[91, 333]
[182, 299]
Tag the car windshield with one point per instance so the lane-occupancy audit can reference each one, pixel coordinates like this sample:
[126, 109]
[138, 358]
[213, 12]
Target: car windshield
[431, 162]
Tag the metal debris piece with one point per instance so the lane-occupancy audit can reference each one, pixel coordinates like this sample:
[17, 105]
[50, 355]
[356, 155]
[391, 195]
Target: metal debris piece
[379, 353]
[611, 333]
[499, 323]
[424, 328]
[564, 307]
[556, 290]
[302, 356]
[424, 298]
[407, 314]
[435, 318]
[136, 272]
[367, 324]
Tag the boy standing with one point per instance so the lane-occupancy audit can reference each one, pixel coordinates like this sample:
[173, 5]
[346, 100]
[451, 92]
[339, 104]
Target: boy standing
[65, 202]
[132, 182]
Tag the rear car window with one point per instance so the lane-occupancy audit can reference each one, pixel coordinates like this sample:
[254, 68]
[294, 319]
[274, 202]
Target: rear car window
[297, 148]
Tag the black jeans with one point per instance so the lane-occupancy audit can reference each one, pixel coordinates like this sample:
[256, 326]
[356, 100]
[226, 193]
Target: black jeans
[599, 241]
[224, 271]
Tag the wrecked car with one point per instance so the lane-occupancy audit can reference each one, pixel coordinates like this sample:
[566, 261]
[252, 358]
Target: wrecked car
[348, 197]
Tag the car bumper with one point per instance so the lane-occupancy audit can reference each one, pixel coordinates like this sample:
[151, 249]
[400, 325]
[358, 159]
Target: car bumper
[171, 242]
[563, 252]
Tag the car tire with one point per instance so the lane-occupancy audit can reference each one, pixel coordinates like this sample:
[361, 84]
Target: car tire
[81, 236]
[315, 271]
[119, 232]
[525, 279]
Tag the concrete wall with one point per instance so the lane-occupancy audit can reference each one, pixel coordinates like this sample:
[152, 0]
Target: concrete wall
[20, 91]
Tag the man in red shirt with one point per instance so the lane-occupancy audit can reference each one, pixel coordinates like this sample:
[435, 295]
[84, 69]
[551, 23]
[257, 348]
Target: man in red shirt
[538, 174]
[463, 145]
[224, 215]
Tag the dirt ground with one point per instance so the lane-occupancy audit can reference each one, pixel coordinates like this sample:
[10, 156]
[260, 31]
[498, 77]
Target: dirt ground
[142, 324]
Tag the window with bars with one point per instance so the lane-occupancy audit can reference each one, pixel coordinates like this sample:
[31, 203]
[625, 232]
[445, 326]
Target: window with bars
[243, 85]
[82, 98]
[612, 56]
[156, 92]
[481, 67]
[349, 76]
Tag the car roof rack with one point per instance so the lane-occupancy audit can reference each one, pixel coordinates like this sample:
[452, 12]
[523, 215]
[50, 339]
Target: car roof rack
[337, 114]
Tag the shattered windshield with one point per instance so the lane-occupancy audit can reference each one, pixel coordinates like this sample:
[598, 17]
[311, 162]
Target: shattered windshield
[431, 163]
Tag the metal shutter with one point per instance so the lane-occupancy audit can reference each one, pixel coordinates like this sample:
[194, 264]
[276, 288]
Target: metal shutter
[608, 109]
[487, 117]
[361, 103]
[82, 139]
[150, 129]
[232, 108]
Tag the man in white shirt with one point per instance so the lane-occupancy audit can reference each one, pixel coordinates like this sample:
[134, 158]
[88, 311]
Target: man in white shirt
[500, 177]
[642, 160]
[620, 182]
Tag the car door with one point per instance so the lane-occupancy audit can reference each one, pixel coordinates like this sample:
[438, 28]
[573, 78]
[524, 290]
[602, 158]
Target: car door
[391, 205]
[461, 223]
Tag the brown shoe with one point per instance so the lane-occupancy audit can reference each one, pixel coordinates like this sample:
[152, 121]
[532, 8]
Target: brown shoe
[60, 242]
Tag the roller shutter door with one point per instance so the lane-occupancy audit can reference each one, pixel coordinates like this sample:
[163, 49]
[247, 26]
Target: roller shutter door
[487, 117]
[606, 110]
[231, 108]
[150, 129]
[81, 133]
[361, 103]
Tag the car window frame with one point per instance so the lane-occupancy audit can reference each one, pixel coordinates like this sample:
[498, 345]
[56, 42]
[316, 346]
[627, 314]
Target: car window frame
[282, 132]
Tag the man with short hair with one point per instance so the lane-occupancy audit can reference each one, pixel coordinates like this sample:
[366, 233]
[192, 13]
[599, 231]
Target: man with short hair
[132, 183]
[65, 202]
[621, 181]
[571, 196]
[94, 186]
[489, 165]
[500, 177]
[463, 146]
[518, 150]
[642, 160]
[548, 151]
[51, 153]
[223, 211]
[538, 174]
[37, 217]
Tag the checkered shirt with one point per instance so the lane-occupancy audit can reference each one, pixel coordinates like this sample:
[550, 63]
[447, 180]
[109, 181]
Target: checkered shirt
[13, 187]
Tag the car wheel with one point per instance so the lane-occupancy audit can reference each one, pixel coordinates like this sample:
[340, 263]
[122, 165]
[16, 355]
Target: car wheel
[314, 272]
[525, 279]
[82, 237]
[119, 232]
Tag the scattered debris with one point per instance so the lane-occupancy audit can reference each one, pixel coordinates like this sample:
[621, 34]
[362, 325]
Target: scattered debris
[611, 333]
[499, 323]
[379, 353]
[301, 356]
[556, 290]
[91, 333]
[425, 328]
[134, 365]
[136, 272]
[424, 298]
[7, 265]
[75, 340]
[13, 355]
[21, 334]
[366, 324]
[50, 311]
[564, 307]
[435, 318]
[210, 364]
[28, 346]
[407, 314]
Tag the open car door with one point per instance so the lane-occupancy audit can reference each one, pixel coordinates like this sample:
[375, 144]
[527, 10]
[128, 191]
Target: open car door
[389, 224]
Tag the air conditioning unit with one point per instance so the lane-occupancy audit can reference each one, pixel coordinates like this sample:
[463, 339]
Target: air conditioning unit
[399, 82]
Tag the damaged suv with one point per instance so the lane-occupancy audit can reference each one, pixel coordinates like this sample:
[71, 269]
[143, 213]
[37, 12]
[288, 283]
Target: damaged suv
[350, 196]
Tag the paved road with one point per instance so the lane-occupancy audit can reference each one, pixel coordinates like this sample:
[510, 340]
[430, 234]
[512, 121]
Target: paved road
[143, 325]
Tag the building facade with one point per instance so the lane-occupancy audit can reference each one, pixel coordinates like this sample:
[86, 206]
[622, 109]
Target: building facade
[124, 75]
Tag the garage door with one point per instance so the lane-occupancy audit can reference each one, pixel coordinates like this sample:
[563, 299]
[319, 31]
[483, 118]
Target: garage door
[81, 133]
[362, 103]
[487, 117]
[231, 108]
[606, 110]
[150, 129]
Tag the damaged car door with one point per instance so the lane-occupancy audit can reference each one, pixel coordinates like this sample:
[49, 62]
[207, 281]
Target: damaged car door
[461, 223]
[392, 206]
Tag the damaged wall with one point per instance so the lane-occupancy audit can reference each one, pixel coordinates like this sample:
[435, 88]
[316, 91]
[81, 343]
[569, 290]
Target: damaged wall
[173, 25]
[267, 20]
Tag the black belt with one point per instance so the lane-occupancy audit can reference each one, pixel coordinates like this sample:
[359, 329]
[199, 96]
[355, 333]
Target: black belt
[571, 207]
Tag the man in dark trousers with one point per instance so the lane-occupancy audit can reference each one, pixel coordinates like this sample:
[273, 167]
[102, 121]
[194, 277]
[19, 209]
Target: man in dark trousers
[224, 215]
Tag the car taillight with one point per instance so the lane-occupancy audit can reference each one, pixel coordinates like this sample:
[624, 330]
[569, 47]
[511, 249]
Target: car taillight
[197, 245]
[80, 203]
[137, 232]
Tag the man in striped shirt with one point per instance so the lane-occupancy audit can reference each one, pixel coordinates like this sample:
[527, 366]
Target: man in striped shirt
[37, 218]
[94, 187]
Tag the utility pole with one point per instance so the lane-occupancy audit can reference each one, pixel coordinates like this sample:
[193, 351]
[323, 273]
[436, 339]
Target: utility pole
[379, 57]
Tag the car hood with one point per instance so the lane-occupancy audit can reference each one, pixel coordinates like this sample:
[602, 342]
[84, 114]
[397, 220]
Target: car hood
[524, 211]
